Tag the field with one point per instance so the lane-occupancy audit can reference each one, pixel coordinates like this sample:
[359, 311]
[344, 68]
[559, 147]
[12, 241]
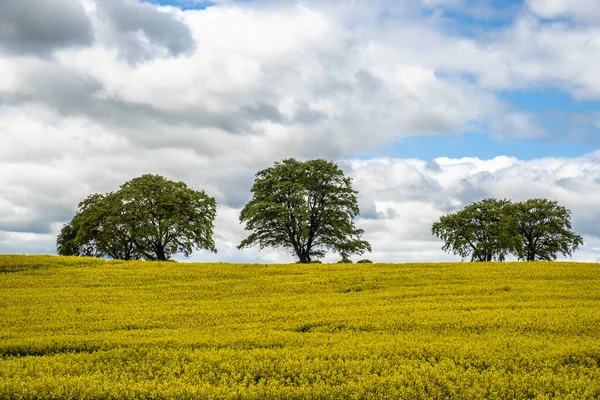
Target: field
[94, 329]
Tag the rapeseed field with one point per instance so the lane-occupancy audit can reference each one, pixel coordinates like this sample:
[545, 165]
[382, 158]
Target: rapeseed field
[84, 328]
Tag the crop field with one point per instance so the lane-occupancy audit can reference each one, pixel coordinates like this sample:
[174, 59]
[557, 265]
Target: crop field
[93, 329]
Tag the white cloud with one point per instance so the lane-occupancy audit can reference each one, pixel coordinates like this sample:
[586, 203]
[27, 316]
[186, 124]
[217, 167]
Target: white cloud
[532, 54]
[288, 66]
[586, 10]
[402, 198]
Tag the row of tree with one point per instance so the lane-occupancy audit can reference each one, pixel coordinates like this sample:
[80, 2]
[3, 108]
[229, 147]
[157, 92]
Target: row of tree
[306, 207]
[491, 229]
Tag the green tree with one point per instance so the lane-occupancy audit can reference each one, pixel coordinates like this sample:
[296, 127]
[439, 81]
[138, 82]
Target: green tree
[168, 217]
[307, 207]
[98, 229]
[66, 243]
[485, 230]
[150, 218]
[545, 230]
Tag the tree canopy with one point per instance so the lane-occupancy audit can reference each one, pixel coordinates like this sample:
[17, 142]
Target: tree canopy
[307, 207]
[537, 229]
[545, 229]
[149, 218]
[482, 230]
[97, 230]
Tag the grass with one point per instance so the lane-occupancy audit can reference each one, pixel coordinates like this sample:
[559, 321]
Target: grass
[94, 329]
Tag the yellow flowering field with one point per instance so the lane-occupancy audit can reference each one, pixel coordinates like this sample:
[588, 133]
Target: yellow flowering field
[84, 328]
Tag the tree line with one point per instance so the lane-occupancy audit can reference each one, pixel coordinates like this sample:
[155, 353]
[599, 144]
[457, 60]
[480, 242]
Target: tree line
[306, 207]
[491, 229]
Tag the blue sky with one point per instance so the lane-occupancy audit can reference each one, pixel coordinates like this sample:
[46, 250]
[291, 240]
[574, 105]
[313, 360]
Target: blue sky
[184, 4]
[556, 112]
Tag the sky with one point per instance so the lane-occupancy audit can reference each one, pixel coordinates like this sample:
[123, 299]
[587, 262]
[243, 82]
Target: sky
[429, 105]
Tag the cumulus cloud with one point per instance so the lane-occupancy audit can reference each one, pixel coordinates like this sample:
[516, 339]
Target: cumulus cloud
[241, 78]
[39, 27]
[586, 10]
[141, 30]
[532, 54]
[286, 90]
[401, 198]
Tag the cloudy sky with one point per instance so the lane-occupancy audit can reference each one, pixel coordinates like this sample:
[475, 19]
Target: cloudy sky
[428, 104]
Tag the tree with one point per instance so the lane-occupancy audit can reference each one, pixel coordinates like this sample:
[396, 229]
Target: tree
[98, 229]
[149, 218]
[66, 244]
[545, 230]
[307, 207]
[485, 230]
[168, 217]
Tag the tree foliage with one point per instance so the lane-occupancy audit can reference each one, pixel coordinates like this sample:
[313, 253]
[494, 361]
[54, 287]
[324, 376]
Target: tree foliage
[307, 207]
[482, 230]
[545, 229]
[149, 218]
[537, 229]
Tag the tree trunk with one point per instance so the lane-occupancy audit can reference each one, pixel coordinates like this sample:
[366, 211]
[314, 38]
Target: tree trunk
[530, 254]
[304, 257]
[160, 253]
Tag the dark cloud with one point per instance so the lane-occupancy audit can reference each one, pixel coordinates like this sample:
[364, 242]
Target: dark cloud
[138, 29]
[42, 26]
[586, 224]
[307, 115]
[42, 213]
[34, 226]
[368, 82]
[263, 111]
[72, 94]
[141, 29]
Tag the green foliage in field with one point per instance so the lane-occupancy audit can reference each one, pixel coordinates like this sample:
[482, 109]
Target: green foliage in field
[88, 328]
